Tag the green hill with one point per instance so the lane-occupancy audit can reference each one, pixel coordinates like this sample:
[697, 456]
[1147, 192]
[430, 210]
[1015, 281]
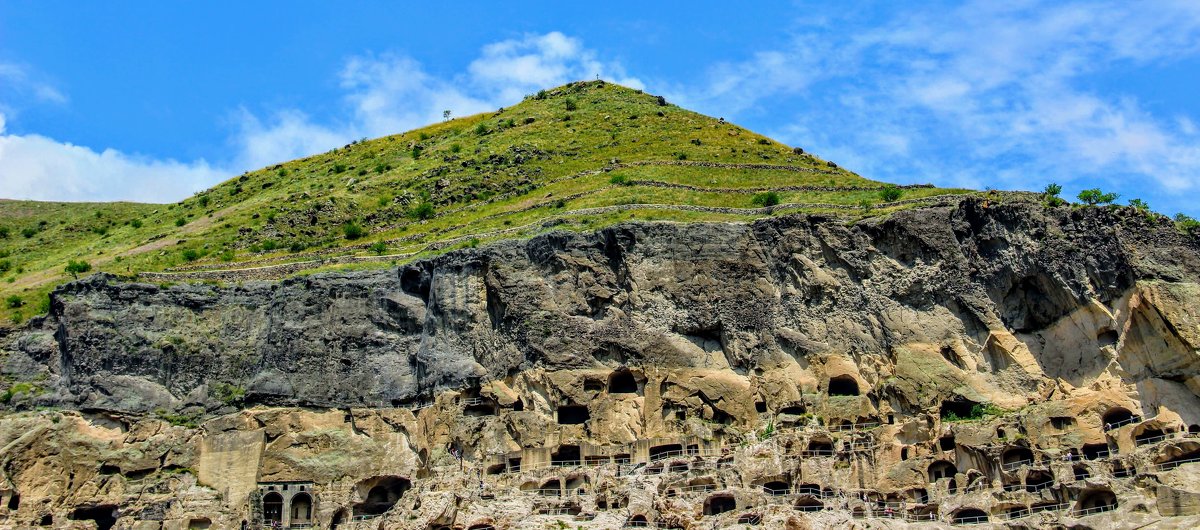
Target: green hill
[577, 157]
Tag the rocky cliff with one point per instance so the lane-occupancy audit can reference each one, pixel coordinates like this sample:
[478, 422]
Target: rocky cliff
[977, 360]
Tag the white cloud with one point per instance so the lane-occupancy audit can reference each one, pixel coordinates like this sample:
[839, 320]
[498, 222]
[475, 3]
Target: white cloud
[1001, 93]
[384, 94]
[40, 168]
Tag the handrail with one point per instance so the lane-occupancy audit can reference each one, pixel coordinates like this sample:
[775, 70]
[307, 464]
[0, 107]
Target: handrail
[819, 452]
[975, 519]
[1014, 514]
[1013, 466]
[1096, 509]
[1122, 423]
[1152, 439]
[1167, 466]
[1103, 453]
[1049, 507]
[920, 516]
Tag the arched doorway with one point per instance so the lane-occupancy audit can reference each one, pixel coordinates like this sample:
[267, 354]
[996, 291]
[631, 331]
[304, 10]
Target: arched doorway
[272, 506]
[338, 518]
[301, 508]
[843, 385]
[1116, 417]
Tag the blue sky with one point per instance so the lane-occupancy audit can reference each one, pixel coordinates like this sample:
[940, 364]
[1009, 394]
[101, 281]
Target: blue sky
[155, 101]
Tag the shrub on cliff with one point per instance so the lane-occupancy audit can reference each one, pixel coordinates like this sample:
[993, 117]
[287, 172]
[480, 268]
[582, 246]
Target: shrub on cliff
[769, 198]
[1095, 197]
[353, 231]
[890, 193]
[75, 268]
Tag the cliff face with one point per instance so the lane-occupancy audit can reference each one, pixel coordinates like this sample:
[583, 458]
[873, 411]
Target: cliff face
[636, 337]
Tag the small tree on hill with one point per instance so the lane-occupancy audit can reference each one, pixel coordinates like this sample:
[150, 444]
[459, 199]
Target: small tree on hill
[890, 193]
[75, 268]
[1094, 197]
[1052, 190]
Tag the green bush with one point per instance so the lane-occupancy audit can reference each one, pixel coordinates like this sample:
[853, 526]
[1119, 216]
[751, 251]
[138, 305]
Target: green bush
[571, 105]
[423, 136]
[416, 151]
[422, 211]
[75, 268]
[866, 205]
[269, 245]
[1187, 225]
[1139, 205]
[180, 221]
[4, 233]
[204, 199]
[28, 233]
[764, 141]
[5, 266]
[481, 129]
[228, 393]
[339, 168]
[620, 180]
[768, 198]
[1052, 190]
[378, 247]
[352, 231]
[191, 254]
[1095, 197]
[380, 168]
[282, 172]
[890, 193]
[681, 156]
[136, 223]
[14, 302]
[454, 148]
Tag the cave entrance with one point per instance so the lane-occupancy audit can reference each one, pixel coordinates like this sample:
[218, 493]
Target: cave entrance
[1096, 501]
[941, 469]
[794, 410]
[105, 515]
[1081, 473]
[776, 488]
[382, 495]
[272, 507]
[573, 414]
[1095, 451]
[1117, 417]
[970, 516]
[808, 504]
[957, 409]
[1037, 481]
[565, 456]
[301, 508]
[1015, 457]
[659, 452]
[622, 382]
[820, 448]
[339, 518]
[1149, 436]
[946, 443]
[718, 504]
[843, 385]
[552, 488]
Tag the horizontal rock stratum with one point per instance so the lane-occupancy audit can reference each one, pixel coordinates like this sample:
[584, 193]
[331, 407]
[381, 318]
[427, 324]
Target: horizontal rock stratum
[983, 361]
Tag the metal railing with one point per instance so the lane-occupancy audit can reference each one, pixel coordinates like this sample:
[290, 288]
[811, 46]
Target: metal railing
[1014, 514]
[1167, 466]
[667, 455]
[973, 520]
[916, 517]
[1122, 423]
[1013, 466]
[818, 452]
[777, 492]
[1152, 439]
[1095, 510]
[1103, 453]
[1014, 487]
[1049, 508]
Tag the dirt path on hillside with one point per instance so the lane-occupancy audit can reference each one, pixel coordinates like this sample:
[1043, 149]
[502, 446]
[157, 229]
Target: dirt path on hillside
[44, 276]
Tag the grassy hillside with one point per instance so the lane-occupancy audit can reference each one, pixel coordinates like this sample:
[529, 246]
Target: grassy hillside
[578, 157]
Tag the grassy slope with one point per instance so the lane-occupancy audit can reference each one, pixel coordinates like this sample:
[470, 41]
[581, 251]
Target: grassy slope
[488, 176]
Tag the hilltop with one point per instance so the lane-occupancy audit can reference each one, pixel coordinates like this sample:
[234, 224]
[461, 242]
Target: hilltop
[577, 157]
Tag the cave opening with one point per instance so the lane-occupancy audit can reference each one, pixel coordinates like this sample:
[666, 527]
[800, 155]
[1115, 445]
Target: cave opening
[1038, 480]
[958, 409]
[665, 451]
[1015, 457]
[776, 488]
[1096, 501]
[14, 502]
[565, 456]
[301, 508]
[946, 443]
[551, 488]
[622, 382]
[970, 516]
[1116, 417]
[339, 518]
[820, 448]
[843, 385]
[718, 504]
[794, 410]
[1081, 473]
[1095, 451]
[573, 414]
[941, 469]
[1149, 436]
[383, 493]
[104, 515]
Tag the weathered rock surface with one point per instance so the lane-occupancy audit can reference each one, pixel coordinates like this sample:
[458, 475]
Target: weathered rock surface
[800, 371]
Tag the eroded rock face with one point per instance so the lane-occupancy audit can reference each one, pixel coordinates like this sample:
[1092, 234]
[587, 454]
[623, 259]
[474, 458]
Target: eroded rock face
[800, 371]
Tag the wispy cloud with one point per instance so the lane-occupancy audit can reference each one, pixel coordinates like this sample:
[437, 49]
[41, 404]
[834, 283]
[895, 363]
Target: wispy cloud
[984, 93]
[384, 94]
